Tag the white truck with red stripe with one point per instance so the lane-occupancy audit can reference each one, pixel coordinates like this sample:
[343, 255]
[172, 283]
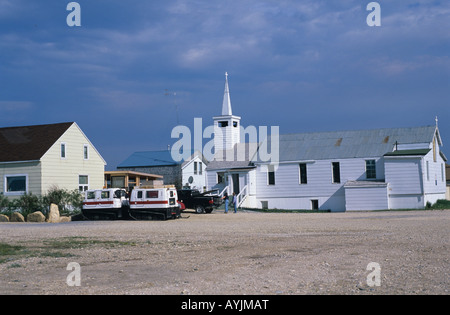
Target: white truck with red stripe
[154, 203]
[106, 204]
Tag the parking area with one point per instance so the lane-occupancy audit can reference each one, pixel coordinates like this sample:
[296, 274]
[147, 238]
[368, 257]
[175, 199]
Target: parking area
[243, 253]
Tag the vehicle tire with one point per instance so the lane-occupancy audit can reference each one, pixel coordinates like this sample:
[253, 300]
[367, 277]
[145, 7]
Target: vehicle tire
[199, 209]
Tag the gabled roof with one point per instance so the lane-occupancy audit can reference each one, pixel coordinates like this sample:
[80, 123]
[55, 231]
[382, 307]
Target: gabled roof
[350, 144]
[29, 143]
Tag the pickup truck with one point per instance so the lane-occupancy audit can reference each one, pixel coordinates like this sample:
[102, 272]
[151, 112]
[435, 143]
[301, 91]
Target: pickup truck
[200, 202]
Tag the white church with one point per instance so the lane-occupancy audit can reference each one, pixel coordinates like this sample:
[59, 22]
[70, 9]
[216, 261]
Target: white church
[395, 168]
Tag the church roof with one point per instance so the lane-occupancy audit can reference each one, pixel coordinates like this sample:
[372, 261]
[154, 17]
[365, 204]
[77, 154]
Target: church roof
[351, 144]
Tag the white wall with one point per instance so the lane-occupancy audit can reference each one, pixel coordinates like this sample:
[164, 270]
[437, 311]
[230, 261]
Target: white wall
[199, 180]
[366, 198]
[64, 172]
[288, 193]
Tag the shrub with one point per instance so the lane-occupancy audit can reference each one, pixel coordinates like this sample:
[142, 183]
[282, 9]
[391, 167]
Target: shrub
[26, 204]
[68, 202]
[441, 204]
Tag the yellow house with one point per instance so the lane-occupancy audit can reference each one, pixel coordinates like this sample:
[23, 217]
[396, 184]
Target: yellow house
[34, 159]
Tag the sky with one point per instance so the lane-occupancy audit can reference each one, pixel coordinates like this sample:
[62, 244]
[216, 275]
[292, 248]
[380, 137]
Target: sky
[134, 70]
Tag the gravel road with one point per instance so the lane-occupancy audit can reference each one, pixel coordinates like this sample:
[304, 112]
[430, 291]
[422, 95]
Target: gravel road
[243, 253]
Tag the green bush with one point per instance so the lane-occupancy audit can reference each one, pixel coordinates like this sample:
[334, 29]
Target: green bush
[26, 204]
[68, 202]
[441, 204]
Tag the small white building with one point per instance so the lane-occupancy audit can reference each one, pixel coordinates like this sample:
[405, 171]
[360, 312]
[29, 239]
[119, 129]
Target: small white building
[391, 168]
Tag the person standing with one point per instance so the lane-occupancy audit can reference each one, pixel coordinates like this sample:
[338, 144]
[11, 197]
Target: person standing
[235, 202]
[225, 196]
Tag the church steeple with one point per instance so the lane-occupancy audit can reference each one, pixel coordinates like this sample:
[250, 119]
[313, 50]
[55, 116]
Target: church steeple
[226, 126]
[226, 105]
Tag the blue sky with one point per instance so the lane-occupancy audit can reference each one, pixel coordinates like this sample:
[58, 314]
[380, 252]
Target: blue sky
[305, 66]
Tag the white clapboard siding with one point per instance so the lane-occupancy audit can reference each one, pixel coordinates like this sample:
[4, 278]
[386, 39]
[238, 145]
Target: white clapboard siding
[31, 169]
[64, 172]
[319, 186]
[366, 196]
[404, 175]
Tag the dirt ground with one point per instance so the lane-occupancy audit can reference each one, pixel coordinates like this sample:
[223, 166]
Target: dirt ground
[243, 253]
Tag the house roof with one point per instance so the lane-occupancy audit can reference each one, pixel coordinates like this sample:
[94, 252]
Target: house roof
[154, 158]
[351, 144]
[29, 143]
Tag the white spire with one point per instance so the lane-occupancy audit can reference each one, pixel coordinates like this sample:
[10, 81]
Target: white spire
[226, 106]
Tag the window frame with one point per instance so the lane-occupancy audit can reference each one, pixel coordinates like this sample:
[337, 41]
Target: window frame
[335, 180]
[86, 152]
[300, 173]
[85, 186]
[271, 170]
[15, 193]
[374, 171]
[63, 150]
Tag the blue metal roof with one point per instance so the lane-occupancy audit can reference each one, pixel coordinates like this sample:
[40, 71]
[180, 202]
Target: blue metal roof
[148, 159]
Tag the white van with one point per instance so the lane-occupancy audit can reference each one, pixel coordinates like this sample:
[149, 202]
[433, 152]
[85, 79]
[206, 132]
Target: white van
[105, 204]
[154, 203]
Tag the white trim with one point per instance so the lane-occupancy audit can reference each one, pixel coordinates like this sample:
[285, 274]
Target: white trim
[86, 146]
[65, 150]
[83, 184]
[14, 193]
[300, 174]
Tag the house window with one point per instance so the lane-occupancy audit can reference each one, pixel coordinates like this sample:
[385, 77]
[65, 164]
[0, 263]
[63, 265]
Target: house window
[16, 184]
[63, 150]
[303, 173]
[195, 168]
[270, 175]
[235, 124]
[336, 172]
[428, 171]
[371, 171]
[201, 168]
[314, 204]
[220, 178]
[86, 152]
[83, 182]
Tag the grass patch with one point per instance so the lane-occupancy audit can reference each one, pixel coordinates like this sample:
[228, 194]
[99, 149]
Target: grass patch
[78, 242]
[54, 248]
[8, 250]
